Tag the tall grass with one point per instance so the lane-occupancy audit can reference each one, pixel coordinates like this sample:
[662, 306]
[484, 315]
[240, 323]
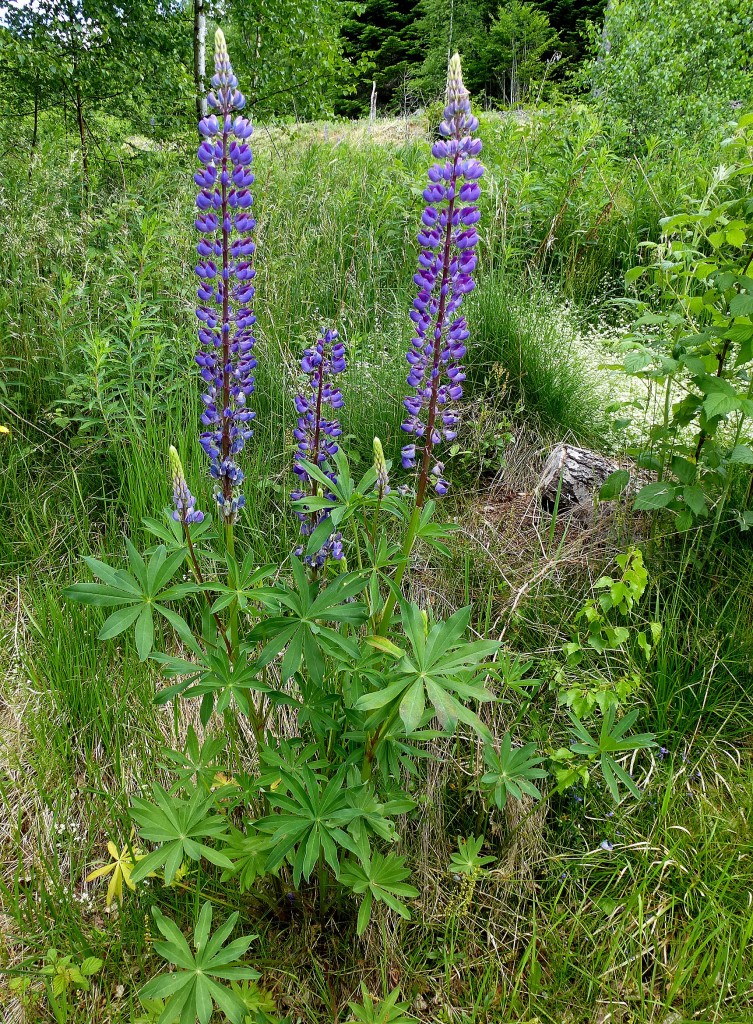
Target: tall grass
[97, 378]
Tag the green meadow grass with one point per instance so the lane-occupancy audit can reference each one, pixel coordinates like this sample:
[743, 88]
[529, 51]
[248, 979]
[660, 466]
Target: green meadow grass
[97, 379]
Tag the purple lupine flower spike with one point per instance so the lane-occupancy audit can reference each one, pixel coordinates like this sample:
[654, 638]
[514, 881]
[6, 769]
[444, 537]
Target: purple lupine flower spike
[226, 282]
[185, 503]
[316, 435]
[448, 236]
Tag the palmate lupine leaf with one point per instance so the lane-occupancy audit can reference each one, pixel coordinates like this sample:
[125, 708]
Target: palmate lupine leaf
[380, 1011]
[511, 771]
[314, 820]
[180, 827]
[120, 869]
[300, 628]
[347, 498]
[249, 853]
[219, 681]
[382, 878]
[469, 860]
[195, 987]
[442, 670]
[374, 816]
[612, 740]
[137, 595]
[195, 762]
[248, 578]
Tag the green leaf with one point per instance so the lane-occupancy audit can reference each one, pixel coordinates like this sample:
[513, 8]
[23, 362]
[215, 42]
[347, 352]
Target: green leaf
[180, 826]
[695, 499]
[720, 404]
[741, 305]
[119, 621]
[633, 274]
[741, 454]
[194, 988]
[97, 595]
[684, 469]
[381, 878]
[412, 706]
[144, 633]
[614, 485]
[637, 361]
[654, 496]
[91, 965]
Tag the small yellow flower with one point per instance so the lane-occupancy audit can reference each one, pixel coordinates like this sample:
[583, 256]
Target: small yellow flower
[4, 429]
[121, 866]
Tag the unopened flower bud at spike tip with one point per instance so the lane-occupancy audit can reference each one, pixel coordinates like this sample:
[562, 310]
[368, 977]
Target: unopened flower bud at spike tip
[185, 503]
[380, 467]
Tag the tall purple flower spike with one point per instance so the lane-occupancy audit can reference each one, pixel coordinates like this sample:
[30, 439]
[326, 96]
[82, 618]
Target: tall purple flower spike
[226, 287]
[316, 435]
[447, 261]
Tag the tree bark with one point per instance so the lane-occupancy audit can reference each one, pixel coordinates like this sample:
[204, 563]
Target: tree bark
[200, 57]
[581, 472]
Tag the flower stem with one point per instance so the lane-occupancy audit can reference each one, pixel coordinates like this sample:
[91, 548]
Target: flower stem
[199, 576]
[435, 375]
[410, 539]
[232, 582]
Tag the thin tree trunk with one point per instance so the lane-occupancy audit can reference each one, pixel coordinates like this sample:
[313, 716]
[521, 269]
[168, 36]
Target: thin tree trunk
[200, 56]
[82, 136]
[257, 59]
[35, 129]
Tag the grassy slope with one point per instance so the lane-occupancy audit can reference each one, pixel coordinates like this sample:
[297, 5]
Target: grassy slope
[96, 357]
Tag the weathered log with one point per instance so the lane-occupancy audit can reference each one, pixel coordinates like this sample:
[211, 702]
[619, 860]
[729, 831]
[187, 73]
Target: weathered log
[581, 471]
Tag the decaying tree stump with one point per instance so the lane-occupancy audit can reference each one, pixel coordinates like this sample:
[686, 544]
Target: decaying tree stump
[582, 473]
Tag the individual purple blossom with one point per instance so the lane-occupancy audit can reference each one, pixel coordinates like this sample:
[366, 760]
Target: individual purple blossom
[226, 285]
[606, 845]
[447, 260]
[184, 502]
[316, 434]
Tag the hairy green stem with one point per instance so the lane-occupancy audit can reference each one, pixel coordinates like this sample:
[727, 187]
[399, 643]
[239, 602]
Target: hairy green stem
[199, 576]
[389, 604]
[233, 584]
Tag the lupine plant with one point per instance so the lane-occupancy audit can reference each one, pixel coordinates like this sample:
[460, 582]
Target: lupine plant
[329, 675]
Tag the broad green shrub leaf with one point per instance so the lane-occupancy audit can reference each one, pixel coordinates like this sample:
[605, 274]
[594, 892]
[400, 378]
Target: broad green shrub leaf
[742, 304]
[654, 496]
[741, 454]
[614, 485]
